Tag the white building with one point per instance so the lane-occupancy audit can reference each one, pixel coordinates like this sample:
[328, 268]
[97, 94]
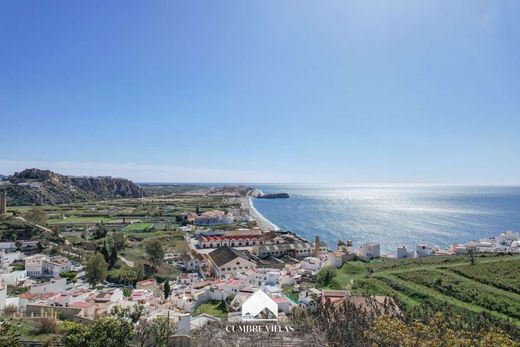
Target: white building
[369, 251]
[264, 276]
[424, 250]
[14, 278]
[7, 258]
[56, 285]
[3, 296]
[227, 260]
[311, 263]
[403, 253]
[40, 265]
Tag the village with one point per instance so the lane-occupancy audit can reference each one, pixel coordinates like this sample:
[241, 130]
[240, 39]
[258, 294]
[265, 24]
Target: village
[223, 272]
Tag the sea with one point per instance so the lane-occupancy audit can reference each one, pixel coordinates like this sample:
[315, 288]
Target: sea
[393, 215]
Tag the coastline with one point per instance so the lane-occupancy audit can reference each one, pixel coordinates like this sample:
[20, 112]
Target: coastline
[261, 220]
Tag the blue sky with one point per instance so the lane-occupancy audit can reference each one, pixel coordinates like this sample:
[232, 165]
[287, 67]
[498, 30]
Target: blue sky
[263, 91]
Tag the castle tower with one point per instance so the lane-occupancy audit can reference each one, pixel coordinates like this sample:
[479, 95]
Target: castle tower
[317, 247]
[3, 204]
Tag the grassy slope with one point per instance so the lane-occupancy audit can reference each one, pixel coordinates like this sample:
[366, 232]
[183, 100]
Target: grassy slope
[214, 308]
[412, 281]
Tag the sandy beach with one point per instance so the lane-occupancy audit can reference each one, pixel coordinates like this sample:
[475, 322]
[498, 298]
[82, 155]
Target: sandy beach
[263, 223]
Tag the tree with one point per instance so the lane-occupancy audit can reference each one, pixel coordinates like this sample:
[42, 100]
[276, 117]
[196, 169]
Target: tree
[156, 332]
[18, 244]
[8, 336]
[113, 331]
[119, 240]
[167, 290]
[36, 215]
[104, 251]
[100, 231]
[97, 269]
[113, 257]
[110, 332]
[132, 313]
[155, 252]
[139, 272]
[74, 334]
[326, 275]
[471, 253]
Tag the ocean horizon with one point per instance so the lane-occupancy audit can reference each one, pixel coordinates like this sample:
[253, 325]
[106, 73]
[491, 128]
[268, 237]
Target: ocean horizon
[393, 215]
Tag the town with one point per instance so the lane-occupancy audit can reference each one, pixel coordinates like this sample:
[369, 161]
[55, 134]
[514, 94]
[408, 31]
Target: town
[216, 257]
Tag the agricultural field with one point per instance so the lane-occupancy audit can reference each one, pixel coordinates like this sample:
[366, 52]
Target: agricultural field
[503, 275]
[138, 227]
[490, 285]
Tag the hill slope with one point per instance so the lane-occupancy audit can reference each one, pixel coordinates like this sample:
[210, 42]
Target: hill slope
[40, 187]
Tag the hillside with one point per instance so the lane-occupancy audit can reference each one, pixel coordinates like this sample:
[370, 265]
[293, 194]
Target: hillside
[40, 187]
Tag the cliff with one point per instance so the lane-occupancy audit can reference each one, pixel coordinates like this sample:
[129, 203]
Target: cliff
[40, 187]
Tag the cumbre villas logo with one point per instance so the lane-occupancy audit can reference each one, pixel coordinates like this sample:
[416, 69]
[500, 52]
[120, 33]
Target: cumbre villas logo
[259, 308]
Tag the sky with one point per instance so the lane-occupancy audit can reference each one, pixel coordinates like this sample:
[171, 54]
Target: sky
[263, 91]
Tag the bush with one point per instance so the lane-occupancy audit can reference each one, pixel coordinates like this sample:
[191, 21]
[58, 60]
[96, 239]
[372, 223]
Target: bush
[47, 326]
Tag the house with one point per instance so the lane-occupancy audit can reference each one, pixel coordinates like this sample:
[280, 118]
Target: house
[3, 296]
[264, 276]
[424, 250]
[369, 251]
[111, 295]
[338, 258]
[55, 285]
[333, 295]
[88, 309]
[227, 260]
[7, 258]
[189, 278]
[308, 299]
[311, 263]
[149, 285]
[14, 278]
[141, 296]
[283, 304]
[40, 265]
[57, 265]
[403, 253]
[215, 217]
[35, 265]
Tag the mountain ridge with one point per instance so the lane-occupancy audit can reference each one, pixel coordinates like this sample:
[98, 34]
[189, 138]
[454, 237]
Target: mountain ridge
[41, 187]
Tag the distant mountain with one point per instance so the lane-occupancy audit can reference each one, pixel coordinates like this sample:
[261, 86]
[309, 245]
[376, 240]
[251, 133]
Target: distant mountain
[40, 187]
[2, 177]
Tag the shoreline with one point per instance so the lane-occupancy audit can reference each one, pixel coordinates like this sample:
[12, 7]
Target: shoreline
[261, 220]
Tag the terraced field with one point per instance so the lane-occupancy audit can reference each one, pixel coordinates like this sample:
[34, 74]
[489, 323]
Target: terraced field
[492, 284]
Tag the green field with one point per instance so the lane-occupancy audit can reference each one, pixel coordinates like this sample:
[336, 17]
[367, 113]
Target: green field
[137, 227]
[491, 285]
[214, 308]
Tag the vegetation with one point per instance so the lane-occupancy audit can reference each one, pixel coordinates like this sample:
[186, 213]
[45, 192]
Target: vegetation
[155, 252]
[488, 286]
[96, 269]
[8, 336]
[377, 324]
[166, 289]
[500, 274]
[111, 331]
[215, 308]
[36, 215]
